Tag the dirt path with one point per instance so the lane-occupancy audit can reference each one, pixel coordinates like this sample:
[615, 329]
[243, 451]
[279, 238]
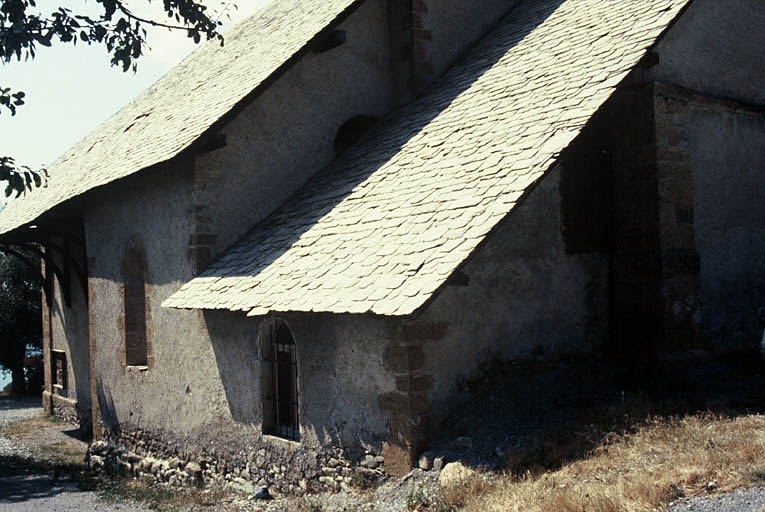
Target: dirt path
[32, 478]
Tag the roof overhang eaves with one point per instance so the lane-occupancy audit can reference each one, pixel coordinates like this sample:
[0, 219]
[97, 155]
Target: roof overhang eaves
[72, 207]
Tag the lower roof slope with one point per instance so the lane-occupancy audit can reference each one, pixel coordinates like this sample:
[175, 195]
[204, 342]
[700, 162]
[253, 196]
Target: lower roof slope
[182, 105]
[383, 227]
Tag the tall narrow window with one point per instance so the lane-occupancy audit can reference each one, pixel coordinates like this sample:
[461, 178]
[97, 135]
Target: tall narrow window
[280, 398]
[134, 270]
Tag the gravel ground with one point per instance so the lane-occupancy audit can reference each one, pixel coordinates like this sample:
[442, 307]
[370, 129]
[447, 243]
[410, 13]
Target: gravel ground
[23, 489]
[12, 410]
[19, 409]
[740, 500]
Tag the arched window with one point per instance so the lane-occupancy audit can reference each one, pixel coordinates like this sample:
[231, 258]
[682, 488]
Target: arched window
[135, 306]
[280, 387]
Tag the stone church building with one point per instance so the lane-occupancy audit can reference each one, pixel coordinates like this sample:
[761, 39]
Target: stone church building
[291, 248]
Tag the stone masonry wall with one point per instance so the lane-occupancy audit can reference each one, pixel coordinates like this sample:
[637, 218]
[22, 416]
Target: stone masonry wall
[285, 468]
[709, 136]
[520, 295]
[408, 405]
[287, 133]
[66, 410]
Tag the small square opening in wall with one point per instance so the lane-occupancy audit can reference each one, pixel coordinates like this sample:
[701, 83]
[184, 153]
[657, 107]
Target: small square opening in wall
[279, 381]
[58, 372]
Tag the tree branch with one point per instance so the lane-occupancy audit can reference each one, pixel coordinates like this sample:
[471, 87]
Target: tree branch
[123, 36]
[155, 23]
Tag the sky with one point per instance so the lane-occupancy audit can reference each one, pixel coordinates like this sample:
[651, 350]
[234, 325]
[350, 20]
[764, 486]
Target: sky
[70, 90]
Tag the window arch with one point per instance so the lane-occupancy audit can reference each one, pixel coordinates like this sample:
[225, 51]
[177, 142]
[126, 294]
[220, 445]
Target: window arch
[135, 309]
[279, 381]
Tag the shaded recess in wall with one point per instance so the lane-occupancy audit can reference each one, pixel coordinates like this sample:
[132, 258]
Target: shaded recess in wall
[106, 408]
[135, 305]
[351, 131]
[586, 190]
[329, 41]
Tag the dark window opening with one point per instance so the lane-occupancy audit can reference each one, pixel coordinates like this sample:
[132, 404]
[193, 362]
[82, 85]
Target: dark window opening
[351, 131]
[280, 414]
[59, 372]
[136, 353]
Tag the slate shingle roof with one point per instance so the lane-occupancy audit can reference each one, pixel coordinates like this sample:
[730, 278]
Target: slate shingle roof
[385, 225]
[173, 113]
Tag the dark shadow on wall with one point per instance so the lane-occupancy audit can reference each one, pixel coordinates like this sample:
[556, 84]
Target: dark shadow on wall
[234, 341]
[108, 411]
[325, 396]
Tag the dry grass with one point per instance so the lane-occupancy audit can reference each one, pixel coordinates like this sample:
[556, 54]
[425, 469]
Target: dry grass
[641, 469]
